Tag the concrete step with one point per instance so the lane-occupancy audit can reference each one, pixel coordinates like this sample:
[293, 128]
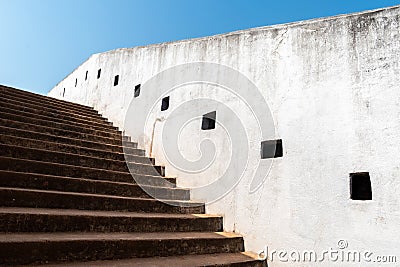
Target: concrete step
[57, 169]
[61, 132]
[62, 116]
[49, 107]
[240, 259]
[70, 121]
[6, 132]
[33, 198]
[54, 110]
[62, 247]
[24, 94]
[102, 187]
[19, 152]
[46, 103]
[14, 220]
[83, 129]
[77, 150]
[67, 195]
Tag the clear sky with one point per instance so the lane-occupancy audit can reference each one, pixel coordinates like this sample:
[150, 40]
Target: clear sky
[42, 41]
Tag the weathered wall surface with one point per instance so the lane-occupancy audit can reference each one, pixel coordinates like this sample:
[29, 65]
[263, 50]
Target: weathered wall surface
[333, 88]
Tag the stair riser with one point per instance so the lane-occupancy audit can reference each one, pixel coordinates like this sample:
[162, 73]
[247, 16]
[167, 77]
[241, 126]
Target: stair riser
[28, 95]
[60, 132]
[13, 223]
[77, 160]
[38, 252]
[51, 200]
[62, 148]
[111, 133]
[131, 147]
[105, 127]
[12, 164]
[51, 108]
[55, 183]
[64, 117]
[19, 165]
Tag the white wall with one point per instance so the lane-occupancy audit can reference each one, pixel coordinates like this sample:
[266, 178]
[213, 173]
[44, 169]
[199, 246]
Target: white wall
[333, 88]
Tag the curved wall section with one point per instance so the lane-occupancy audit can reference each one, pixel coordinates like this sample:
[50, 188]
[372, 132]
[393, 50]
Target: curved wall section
[332, 86]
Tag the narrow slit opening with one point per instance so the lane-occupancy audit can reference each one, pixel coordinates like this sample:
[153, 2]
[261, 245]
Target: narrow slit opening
[137, 91]
[165, 103]
[116, 80]
[271, 149]
[360, 186]
[208, 122]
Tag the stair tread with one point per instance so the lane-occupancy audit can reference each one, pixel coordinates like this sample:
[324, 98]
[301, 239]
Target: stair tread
[35, 95]
[84, 167]
[52, 108]
[73, 236]
[47, 102]
[216, 259]
[17, 166]
[56, 124]
[104, 126]
[39, 112]
[67, 138]
[82, 136]
[111, 183]
[98, 195]
[147, 189]
[74, 155]
[98, 213]
[21, 95]
[76, 147]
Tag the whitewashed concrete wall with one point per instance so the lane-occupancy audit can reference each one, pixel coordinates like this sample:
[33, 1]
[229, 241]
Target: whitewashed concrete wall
[333, 86]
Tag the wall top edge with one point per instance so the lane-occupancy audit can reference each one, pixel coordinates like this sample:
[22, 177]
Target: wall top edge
[290, 25]
[261, 28]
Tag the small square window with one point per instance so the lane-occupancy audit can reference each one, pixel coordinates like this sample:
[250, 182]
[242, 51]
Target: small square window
[271, 149]
[208, 122]
[165, 103]
[360, 186]
[137, 91]
[116, 80]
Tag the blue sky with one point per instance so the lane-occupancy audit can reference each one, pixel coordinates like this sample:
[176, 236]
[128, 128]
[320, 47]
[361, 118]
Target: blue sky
[42, 41]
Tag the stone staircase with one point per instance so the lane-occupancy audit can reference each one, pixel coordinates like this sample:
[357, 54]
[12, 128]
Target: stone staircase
[67, 197]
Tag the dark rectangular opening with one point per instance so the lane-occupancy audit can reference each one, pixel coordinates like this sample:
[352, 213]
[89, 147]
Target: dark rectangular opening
[116, 80]
[208, 121]
[137, 91]
[63, 92]
[271, 149]
[76, 82]
[360, 186]
[86, 75]
[98, 73]
[165, 103]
